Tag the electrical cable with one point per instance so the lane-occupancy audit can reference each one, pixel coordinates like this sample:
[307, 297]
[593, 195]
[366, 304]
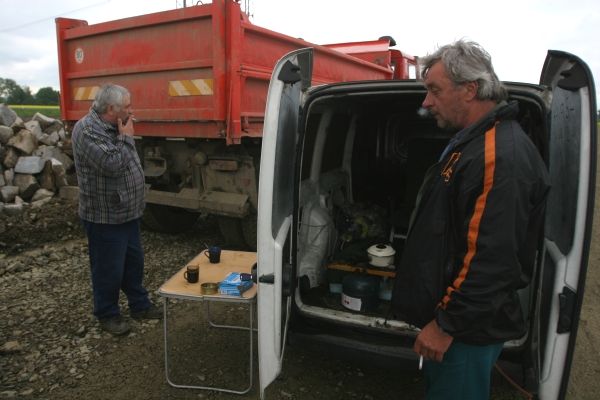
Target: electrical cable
[528, 395]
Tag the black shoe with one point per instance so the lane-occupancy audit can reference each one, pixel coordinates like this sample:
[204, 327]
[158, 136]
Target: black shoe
[151, 312]
[114, 325]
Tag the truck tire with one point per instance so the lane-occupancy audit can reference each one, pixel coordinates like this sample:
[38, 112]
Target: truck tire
[231, 230]
[167, 219]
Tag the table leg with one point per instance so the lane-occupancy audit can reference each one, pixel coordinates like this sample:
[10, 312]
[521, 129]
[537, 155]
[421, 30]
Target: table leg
[251, 306]
[215, 325]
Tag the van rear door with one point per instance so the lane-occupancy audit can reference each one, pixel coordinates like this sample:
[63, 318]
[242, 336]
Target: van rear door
[291, 76]
[572, 166]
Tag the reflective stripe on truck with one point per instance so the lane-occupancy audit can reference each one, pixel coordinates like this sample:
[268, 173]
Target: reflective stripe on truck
[85, 92]
[191, 87]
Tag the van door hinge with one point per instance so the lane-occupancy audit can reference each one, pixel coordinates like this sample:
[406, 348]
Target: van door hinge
[566, 310]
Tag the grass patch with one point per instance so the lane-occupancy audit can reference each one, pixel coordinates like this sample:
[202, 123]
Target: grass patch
[27, 111]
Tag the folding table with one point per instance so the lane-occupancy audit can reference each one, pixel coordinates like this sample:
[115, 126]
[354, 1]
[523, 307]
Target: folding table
[177, 287]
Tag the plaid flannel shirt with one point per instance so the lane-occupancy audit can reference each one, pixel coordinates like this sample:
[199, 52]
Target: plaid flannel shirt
[109, 172]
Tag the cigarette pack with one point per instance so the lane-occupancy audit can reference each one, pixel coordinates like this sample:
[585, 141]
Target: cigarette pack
[233, 285]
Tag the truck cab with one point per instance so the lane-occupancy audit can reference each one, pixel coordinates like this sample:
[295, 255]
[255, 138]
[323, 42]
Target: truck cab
[340, 170]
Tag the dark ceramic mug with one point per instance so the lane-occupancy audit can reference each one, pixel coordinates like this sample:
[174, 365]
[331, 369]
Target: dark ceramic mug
[214, 254]
[191, 274]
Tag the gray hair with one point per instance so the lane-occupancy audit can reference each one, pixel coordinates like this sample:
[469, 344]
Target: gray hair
[109, 95]
[467, 61]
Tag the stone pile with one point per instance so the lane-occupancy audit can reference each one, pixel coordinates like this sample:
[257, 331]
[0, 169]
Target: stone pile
[36, 162]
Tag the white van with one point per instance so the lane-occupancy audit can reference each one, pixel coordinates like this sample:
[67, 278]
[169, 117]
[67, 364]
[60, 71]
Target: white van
[341, 166]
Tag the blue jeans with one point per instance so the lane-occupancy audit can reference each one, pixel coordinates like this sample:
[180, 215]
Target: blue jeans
[117, 263]
[464, 373]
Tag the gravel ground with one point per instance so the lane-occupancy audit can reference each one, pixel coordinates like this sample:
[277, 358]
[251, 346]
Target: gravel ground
[51, 346]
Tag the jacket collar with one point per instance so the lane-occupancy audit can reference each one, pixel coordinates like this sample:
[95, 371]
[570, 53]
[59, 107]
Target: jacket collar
[107, 126]
[503, 110]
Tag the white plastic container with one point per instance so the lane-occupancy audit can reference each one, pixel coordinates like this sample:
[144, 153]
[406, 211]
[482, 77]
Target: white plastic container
[381, 255]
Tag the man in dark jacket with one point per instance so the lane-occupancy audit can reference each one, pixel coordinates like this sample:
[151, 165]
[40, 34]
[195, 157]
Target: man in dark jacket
[474, 232]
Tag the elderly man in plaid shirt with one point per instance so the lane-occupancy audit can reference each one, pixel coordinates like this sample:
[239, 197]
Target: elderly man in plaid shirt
[111, 203]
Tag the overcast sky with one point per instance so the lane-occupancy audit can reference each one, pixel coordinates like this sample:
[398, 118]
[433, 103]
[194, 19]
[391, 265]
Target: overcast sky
[517, 33]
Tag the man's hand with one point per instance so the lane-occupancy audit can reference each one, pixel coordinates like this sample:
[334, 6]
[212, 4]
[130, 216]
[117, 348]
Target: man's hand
[127, 128]
[432, 342]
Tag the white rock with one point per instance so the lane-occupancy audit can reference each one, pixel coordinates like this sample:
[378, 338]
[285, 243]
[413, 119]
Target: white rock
[25, 141]
[29, 165]
[8, 193]
[11, 157]
[7, 115]
[5, 134]
[44, 120]
[49, 152]
[60, 175]
[18, 125]
[42, 194]
[49, 139]
[27, 184]
[9, 176]
[35, 128]
[40, 203]
[69, 193]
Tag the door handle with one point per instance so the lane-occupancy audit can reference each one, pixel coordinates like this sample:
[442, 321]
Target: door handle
[268, 278]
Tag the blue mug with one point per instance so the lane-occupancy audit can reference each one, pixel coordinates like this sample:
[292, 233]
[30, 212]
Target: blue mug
[214, 254]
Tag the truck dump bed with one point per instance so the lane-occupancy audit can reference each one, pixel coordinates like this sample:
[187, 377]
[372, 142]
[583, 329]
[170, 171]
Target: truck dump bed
[195, 72]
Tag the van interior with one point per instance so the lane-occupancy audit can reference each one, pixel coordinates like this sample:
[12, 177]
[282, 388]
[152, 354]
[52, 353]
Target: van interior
[363, 158]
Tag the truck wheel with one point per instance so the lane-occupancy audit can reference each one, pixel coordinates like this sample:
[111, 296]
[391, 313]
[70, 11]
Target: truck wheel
[249, 231]
[168, 219]
[231, 230]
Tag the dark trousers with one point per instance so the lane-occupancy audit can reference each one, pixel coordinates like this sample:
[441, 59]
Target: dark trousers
[117, 263]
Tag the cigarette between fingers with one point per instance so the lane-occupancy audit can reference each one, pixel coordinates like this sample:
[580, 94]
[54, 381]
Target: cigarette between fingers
[420, 362]
[134, 119]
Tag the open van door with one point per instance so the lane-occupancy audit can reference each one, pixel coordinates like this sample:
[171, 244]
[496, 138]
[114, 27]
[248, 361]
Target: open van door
[291, 76]
[570, 207]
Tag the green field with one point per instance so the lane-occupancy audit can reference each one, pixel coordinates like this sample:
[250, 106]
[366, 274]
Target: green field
[27, 111]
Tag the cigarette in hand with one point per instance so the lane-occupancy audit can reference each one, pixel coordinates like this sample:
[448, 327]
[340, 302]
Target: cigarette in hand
[420, 362]
[133, 119]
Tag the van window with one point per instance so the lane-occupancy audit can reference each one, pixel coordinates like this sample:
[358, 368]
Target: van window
[561, 209]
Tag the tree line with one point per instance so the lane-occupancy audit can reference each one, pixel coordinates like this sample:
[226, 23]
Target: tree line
[13, 93]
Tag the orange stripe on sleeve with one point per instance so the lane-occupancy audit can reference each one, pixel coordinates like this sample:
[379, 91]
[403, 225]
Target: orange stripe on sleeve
[488, 181]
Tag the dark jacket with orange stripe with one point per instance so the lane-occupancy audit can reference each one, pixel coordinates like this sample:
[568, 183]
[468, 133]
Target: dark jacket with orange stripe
[474, 235]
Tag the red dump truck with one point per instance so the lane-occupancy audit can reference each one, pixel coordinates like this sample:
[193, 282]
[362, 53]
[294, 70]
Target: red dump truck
[199, 77]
